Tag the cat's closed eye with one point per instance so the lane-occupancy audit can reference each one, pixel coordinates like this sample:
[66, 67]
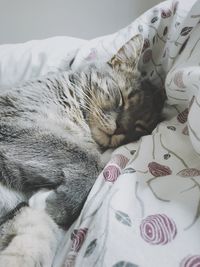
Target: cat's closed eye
[131, 94]
[139, 127]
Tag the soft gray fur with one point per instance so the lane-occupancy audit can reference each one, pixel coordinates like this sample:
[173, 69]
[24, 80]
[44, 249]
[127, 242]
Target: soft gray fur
[52, 131]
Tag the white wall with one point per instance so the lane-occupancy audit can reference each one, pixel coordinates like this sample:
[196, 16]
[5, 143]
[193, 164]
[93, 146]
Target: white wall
[22, 20]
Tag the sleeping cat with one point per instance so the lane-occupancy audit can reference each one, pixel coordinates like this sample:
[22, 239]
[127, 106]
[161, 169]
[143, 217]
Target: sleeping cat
[52, 134]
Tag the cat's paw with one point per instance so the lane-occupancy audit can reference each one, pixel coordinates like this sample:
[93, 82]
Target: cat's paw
[100, 137]
[116, 140]
[38, 200]
[35, 239]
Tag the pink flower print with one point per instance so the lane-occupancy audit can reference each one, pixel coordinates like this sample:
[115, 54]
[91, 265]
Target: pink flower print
[158, 229]
[166, 13]
[111, 173]
[182, 117]
[146, 44]
[147, 56]
[178, 79]
[119, 160]
[92, 55]
[158, 170]
[191, 261]
[78, 237]
[189, 172]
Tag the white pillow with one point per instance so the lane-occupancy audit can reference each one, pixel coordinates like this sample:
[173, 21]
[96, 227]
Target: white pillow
[19, 62]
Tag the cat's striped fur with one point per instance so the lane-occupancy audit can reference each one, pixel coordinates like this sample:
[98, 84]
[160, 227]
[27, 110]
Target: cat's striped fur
[52, 132]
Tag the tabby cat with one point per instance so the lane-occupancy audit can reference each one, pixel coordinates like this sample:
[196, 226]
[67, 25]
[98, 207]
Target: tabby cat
[52, 134]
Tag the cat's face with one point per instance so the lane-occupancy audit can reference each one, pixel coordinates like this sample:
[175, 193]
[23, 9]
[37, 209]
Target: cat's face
[120, 111]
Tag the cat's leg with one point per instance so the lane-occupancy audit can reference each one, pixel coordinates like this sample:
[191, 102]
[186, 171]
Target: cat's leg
[65, 203]
[30, 239]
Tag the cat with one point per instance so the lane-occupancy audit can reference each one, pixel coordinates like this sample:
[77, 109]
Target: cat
[52, 135]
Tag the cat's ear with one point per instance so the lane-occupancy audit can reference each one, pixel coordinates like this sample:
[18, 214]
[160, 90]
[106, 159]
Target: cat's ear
[128, 55]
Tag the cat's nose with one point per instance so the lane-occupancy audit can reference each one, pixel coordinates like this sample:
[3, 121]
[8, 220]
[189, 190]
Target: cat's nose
[119, 129]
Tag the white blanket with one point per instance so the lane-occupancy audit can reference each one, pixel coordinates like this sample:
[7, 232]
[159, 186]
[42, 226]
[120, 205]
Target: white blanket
[144, 208]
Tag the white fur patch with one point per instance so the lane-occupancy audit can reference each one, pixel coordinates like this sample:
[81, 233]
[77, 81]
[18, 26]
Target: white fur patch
[35, 241]
[38, 200]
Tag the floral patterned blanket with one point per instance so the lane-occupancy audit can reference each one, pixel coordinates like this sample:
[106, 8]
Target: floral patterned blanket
[144, 209]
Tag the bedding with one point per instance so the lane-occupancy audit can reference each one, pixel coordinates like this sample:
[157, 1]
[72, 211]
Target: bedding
[144, 208]
[25, 61]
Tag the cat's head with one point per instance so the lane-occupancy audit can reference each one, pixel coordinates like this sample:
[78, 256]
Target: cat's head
[119, 108]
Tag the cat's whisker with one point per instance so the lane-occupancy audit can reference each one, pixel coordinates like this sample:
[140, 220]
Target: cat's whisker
[90, 98]
[94, 108]
[96, 115]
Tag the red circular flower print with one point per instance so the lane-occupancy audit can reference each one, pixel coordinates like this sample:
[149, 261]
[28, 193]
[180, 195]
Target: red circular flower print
[119, 160]
[78, 237]
[158, 170]
[158, 229]
[191, 261]
[111, 173]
